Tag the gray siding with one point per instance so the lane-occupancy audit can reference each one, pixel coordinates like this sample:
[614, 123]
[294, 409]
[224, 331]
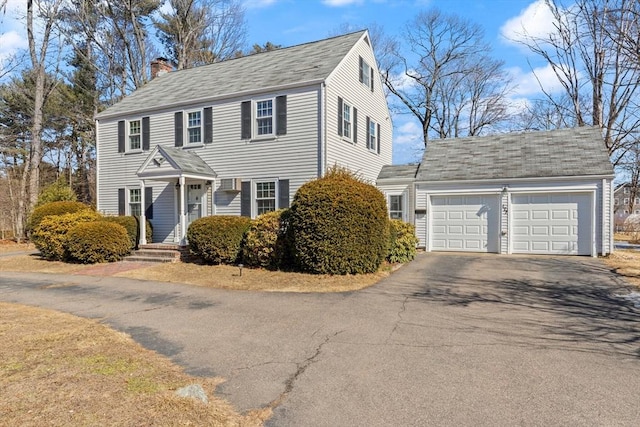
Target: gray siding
[344, 83]
[292, 156]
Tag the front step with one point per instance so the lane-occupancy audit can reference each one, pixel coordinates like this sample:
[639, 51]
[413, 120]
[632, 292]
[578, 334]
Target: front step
[159, 253]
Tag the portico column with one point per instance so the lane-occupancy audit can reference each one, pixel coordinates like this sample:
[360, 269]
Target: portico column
[143, 216]
[183, 213]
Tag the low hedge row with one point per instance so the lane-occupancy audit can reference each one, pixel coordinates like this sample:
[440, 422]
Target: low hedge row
[266, 243]
[71, 231]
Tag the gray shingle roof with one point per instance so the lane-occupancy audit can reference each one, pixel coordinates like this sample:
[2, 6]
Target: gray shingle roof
[297, 64]
[187, 161]
[563, 152]
[398, 171]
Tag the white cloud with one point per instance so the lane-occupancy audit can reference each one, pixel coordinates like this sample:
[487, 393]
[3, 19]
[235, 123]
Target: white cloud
[536, 20]
[340, 3]
[528, 83]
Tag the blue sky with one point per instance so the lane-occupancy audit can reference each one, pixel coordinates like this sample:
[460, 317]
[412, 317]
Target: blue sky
[290, 22]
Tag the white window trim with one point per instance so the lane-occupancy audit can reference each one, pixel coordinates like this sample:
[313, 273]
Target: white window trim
[128, 210]
[366, 74]
[254, 119]
[187, 143]
[127, 136]
[404, 204]
[254, 194]
[346, 103]
[373, 123]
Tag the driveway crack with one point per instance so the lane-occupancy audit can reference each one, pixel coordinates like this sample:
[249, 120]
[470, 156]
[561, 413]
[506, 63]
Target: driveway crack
[403, 308]
[302, 367]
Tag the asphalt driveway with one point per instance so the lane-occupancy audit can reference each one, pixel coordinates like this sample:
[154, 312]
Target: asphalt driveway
[446, 340]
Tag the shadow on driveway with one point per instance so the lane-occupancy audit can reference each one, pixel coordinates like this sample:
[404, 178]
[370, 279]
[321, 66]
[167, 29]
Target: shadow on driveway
[558, 301]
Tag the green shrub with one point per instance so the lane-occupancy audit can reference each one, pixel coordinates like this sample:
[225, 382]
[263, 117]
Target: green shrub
[260, 247]
[54, 208]
[217, 239]
[58, 191]
[402, 241]
[97, 241]
[132, 225]
[49, 236]
[339, 225]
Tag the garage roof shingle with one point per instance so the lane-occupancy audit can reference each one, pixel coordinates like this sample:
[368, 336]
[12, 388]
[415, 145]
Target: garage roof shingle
[562, 152]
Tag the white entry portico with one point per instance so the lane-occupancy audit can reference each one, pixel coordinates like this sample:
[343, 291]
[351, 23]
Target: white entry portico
[192, 178]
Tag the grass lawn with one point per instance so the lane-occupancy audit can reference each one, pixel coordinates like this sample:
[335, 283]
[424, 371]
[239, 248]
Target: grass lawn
[626, 263]
[212, 276]
[60, 370]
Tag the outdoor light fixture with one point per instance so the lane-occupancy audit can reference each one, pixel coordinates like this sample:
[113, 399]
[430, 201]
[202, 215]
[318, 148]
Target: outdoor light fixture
[240, 267]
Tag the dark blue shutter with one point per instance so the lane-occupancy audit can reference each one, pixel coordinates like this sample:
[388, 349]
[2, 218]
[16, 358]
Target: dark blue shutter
[245, 113]
[121, 136]
[379, 139]
[179, 133]
[146, 133]
[208, 125]
[245, 199]
[281, 111]
[368, 132]
[339, 116]
[121, 202]
[371, 79]
[283, 193]
[148, 202]
[361, 73]
[355, 124]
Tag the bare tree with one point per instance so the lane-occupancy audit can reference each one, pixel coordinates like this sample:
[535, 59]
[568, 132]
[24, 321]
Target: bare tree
[197, 32]
[114, 38]
[47, 12]
[589, 53]
[446, 77]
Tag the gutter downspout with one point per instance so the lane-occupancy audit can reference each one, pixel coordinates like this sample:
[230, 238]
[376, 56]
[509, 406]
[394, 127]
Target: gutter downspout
[97, 168]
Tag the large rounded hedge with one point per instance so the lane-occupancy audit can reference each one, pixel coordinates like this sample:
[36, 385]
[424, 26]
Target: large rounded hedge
[132, 225]
[217, 239]
[339, 225]
[54, 208]
[50, 235]
[261, 247]
[403, 241]
[98, 241]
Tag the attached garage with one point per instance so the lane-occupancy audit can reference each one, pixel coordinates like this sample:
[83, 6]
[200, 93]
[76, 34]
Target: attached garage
[556, 224]
[465, 223]
[526, 193]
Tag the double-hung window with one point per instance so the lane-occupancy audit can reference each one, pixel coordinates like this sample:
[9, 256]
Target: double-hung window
[194, 127]
[135, 202]
[135, 132]
[365, 73]
[396, 210]
[372, 142]
[264, 117]
[265, 197]
[346, 120]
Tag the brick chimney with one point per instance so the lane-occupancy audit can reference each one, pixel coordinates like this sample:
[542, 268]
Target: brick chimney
[159, 67]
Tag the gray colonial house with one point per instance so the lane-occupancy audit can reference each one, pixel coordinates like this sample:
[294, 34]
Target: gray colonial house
[518, 193]
[240, 137]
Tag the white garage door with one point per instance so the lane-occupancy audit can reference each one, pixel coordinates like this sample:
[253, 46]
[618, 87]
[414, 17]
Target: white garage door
[465, 223]
[557, 224]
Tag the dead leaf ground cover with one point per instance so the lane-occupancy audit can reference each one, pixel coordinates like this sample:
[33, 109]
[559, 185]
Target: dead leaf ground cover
[60, 370]
[212, 276]
[11, 246]
[626, 263]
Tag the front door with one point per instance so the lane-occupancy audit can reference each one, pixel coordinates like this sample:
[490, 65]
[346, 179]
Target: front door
[195, 193]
